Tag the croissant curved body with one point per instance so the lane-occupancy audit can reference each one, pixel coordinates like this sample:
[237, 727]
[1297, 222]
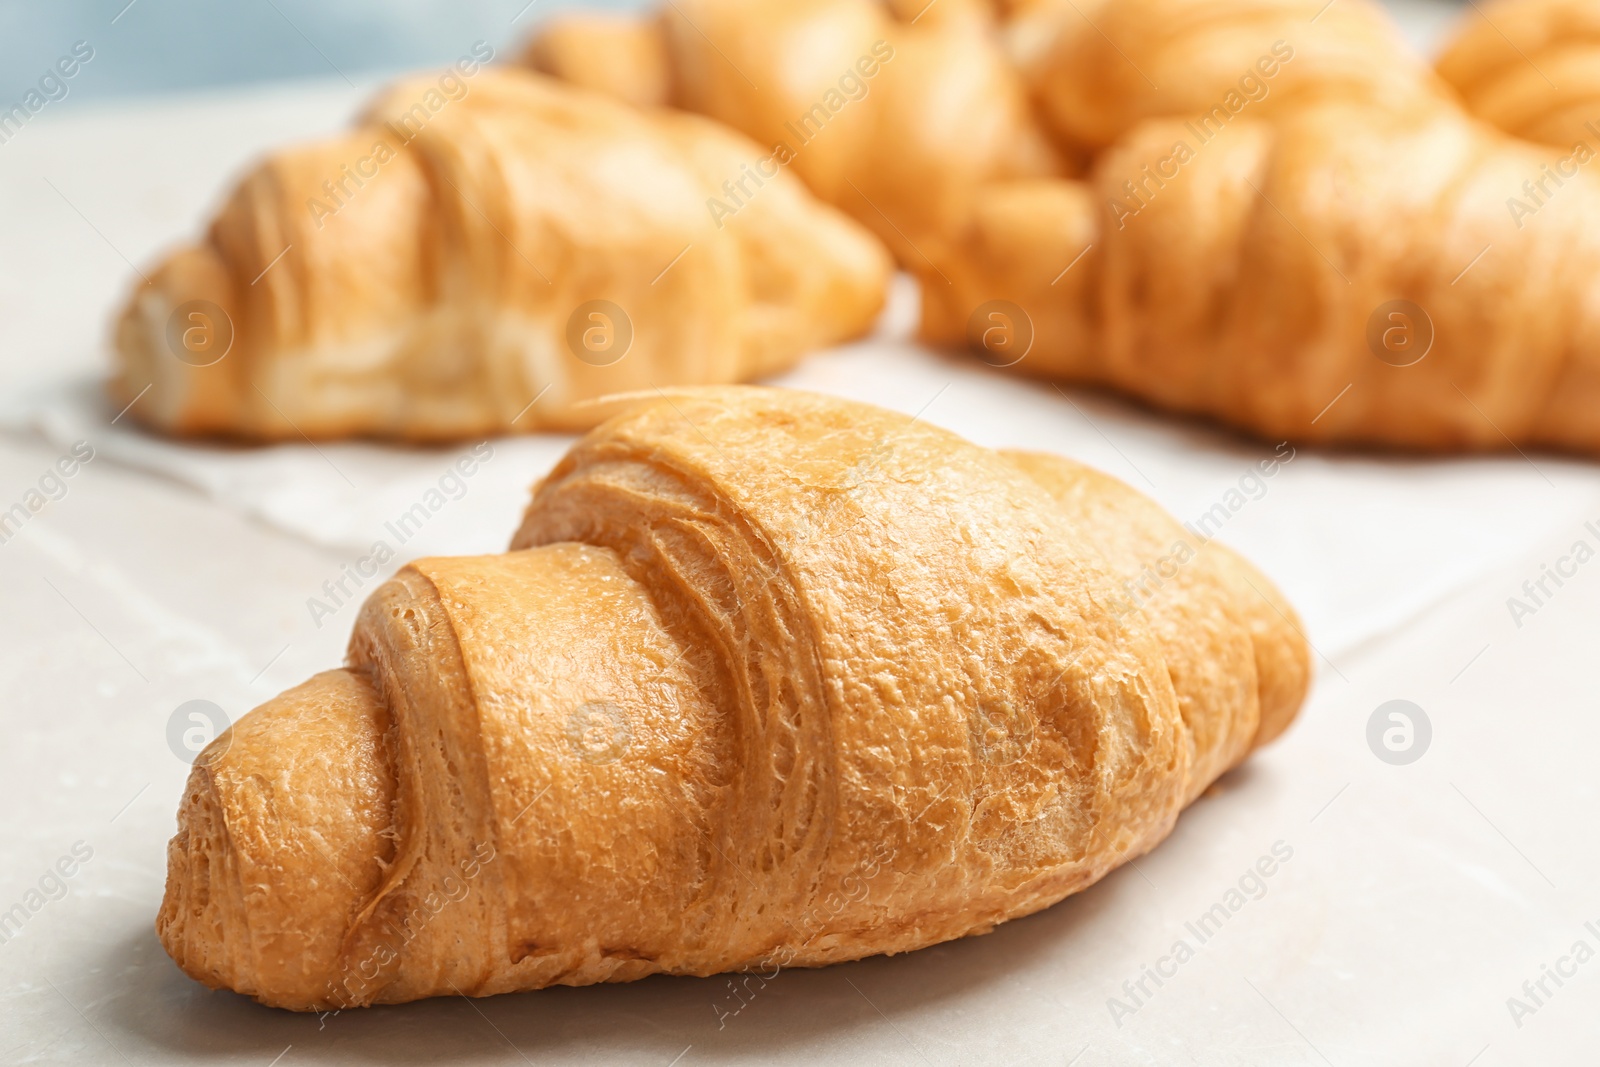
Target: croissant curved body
[1531, 68]
[768, 679]
[429, 274]
[1337, 275]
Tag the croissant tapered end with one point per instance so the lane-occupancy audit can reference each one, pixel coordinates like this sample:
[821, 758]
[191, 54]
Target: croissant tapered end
[1222, 623]
[1023, 239]
[282, 837]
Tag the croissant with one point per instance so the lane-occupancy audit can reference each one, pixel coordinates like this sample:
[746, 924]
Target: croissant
[477, 239]
[895, 113]
[767, 679]
[1531, 68]
[1338, 275]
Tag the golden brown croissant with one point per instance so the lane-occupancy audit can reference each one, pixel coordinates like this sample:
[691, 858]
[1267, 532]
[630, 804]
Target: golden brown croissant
[479, 238]
[1532, 68]
[768, 678]
[1338, 275]
[895, 113]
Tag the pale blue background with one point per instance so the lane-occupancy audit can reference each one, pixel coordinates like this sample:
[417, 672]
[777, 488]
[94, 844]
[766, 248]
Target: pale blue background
[159, 46]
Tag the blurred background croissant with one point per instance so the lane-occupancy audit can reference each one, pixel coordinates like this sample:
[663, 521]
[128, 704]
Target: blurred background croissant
[1244, 210]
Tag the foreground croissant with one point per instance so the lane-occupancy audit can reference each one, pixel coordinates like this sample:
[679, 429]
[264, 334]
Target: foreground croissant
[477, 239]
[768, 679]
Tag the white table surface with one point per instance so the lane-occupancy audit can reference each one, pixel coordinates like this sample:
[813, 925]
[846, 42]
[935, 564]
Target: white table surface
[1417, 900]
